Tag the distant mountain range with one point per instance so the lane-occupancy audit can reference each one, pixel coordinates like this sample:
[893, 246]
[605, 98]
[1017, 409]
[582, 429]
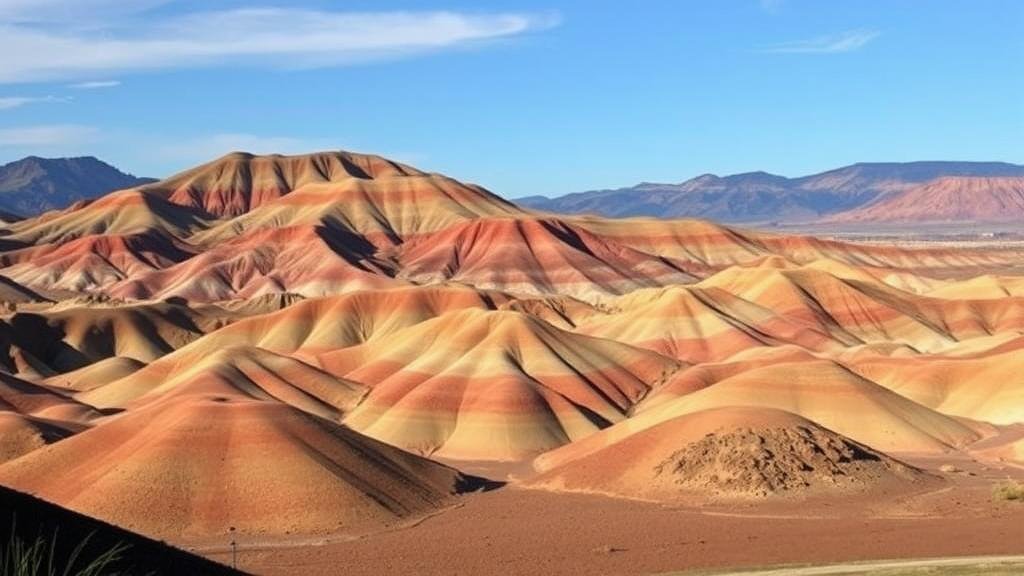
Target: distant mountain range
[33, 185]
[859, 193]
[762, 197]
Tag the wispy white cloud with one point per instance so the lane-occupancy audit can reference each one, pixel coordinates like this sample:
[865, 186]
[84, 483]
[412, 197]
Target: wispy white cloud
[283, 37]
[44, 136]
[9, 102]
[835, 43]
[76, 11]
[95, 84]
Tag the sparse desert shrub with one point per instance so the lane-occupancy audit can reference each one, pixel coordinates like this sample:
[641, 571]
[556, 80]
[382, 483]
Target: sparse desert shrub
[1009, 490]
[18, 557]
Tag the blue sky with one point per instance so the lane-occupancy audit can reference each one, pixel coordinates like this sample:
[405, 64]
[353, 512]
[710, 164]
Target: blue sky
[522, 97]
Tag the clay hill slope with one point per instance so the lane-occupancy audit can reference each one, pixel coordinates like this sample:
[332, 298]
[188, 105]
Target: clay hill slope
[32, 416]
[726, 453]
[93, 262]
[83, 343]
[856, 308]
[13, 293]
[283, 347]
[703, 248]
[195, 464]
[534, 256]
[302, 331]
[824, 307]
[492, 385]
[300, 260]
[984, 287]
[249, 371]
[432, 370]
[21, 434]
[950, 199]
[371, 202]
[984, 387]
[700, 324]
[32, 399]
[820, 390]
[239, 182]
[120, 213]
[319, 325]
[65, 338]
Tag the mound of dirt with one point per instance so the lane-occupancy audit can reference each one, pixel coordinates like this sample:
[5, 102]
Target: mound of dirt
[731, 452]
[763, 461]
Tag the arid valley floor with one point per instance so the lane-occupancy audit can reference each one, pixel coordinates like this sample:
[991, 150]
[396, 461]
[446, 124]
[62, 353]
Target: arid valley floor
[347, 365]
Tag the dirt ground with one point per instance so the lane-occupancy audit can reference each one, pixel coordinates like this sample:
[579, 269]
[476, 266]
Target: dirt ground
[512, 530]
[957, 566]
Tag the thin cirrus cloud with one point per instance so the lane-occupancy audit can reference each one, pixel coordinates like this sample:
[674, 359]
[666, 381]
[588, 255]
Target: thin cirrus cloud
[41, 11]
[10, 102]
[283, 37]
[46, 136]
[771, 5]
[95, 84]
[832, 44]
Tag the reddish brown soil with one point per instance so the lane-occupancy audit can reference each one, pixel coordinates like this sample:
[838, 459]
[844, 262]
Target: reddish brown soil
[518, 531]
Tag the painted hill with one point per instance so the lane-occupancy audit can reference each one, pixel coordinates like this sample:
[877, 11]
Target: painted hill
[948, 199]
[534, 256]
[197, 463]
[239, 182]
[763, 197]
[982, 386]
[33, 185]
[373, 199]
[810, 388]
[492, 385]
[32, 416]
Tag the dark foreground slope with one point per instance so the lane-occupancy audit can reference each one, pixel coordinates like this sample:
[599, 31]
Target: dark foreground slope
[27, 518]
